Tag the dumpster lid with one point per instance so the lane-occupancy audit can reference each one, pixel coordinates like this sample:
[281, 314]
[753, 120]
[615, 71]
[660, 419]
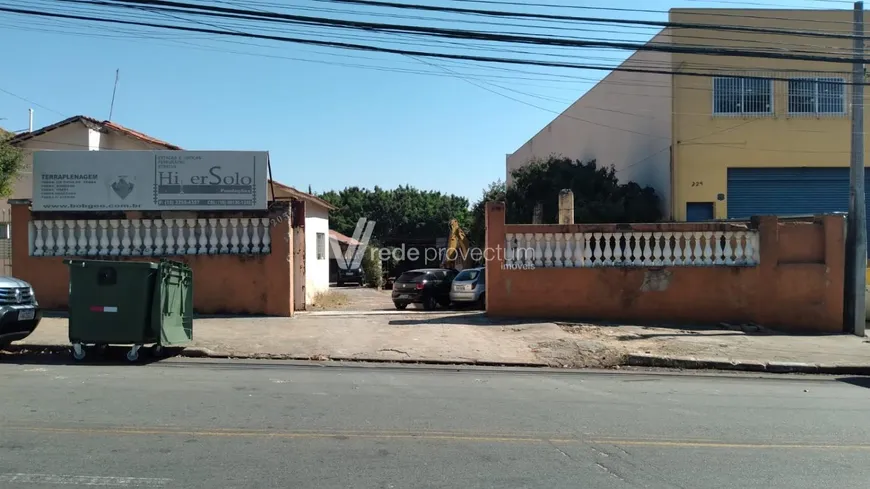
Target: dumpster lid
[117, 264]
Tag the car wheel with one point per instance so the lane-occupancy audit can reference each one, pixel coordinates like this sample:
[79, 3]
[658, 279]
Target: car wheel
[400, 306]
[429, 303]
[481, 302]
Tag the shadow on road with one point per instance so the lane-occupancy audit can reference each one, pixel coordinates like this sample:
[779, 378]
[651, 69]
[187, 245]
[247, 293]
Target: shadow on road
[59, 355]
[856, 381]
[471, 319]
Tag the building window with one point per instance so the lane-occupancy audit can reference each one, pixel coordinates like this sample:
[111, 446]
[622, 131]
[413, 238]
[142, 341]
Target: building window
[817, 96]
[742, 96]
[321, 246]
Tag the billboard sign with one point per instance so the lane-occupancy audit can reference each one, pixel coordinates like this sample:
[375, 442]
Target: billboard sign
[149, 180]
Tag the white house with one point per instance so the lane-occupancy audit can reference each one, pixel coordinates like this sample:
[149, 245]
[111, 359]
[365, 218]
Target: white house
[88, 134]
[315, 237]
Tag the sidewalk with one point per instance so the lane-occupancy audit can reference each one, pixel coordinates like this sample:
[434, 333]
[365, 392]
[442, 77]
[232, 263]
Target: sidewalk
[471, 338]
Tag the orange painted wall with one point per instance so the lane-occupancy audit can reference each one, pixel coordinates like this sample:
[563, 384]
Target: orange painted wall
[797, 286]
[222, 284]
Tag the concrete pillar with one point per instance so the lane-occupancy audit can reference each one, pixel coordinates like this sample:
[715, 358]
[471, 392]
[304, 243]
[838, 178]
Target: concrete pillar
[496, 289]
[566, 206]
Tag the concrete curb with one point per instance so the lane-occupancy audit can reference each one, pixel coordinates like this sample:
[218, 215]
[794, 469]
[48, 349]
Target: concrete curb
[200, 352]
[646, 360]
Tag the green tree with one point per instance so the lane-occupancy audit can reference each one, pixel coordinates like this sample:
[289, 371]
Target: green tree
[401, 213]
[598, 195]
[11, 160]
[495, 192]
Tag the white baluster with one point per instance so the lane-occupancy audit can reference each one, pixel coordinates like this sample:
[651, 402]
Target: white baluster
[558, 252]
[93, 241]
[599, 252]
[246, 237]
[667, 248]
[588, 256]
[569, 249]
[657, 252]
[191, 236]
[225, 240]
[509, 249]
[647, 249]
[213, 239]
[234, 241]
[548, 251]
[49, 238]
[718, 259]
[203, 237]
[70, 237]
[115, 243]
[148, 241]
[739, 250]
[636, 249]
[38, 242]
[618, 249]
[61, 238]
[103, 237]
[751, 248]
[255, 235]
[697, 252]
[177, 227]
[728, 251]
[125, 237]
[267, 235]
[679, 248]
[539, 253]
[159, 240]
[607, 250]
[137, 237]
[82, 243]
[708, 249]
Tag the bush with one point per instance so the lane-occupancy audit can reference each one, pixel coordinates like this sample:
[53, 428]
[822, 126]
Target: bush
[371, 264]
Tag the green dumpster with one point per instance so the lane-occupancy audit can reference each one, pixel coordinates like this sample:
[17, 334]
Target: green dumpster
[123, 302]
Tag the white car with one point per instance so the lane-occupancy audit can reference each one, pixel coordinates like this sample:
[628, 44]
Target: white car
[19, 310]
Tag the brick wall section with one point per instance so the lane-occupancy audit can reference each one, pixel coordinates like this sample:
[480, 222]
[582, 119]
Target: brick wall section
[797, 286]
[222, 284]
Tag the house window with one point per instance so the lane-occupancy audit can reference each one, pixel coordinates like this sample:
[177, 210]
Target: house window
[321, 246]
[817, 96]
[742, 96]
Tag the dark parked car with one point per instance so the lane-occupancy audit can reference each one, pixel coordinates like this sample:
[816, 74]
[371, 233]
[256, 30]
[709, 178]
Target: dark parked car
[352, 275]
[428, 286]
[19, 311]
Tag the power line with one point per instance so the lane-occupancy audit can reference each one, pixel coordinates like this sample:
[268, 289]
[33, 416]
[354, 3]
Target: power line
[487, 36]
[370, 48]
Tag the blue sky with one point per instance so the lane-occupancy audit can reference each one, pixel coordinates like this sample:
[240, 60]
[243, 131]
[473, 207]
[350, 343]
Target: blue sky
[325, 123]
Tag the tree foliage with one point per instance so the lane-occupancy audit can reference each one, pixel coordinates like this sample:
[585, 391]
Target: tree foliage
[598, 195]
[401, 213]
[11, 160]
[495, 192]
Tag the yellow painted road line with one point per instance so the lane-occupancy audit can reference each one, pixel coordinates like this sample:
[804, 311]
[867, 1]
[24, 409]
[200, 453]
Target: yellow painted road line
[431, 436]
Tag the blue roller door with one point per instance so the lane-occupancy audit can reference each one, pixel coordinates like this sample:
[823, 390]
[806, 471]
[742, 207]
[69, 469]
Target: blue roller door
[787, 191]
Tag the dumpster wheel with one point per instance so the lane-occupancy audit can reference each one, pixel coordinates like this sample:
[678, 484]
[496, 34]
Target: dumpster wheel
[133, 354]
[78, 352]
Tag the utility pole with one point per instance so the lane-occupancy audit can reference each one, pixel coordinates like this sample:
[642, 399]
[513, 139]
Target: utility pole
[856, 261]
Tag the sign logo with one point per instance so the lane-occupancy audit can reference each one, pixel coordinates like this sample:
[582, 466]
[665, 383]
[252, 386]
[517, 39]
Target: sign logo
[351, 258]
[17, 295]
[122, 186]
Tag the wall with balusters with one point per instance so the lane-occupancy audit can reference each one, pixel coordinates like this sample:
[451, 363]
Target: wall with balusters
[240, 264]
[787, 275]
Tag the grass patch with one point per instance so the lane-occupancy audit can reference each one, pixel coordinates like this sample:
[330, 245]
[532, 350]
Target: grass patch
[329, 299]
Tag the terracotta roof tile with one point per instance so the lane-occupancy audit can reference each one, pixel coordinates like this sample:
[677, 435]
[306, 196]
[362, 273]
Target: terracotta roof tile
[93, 123]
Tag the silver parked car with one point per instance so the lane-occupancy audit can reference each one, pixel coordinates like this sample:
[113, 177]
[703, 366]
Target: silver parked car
[19, 310]
[469, 287]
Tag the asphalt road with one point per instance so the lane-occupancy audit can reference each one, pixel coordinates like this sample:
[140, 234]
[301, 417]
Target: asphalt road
[229, 425]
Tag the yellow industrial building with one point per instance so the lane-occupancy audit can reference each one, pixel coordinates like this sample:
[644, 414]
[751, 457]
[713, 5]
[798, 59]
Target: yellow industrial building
[722, 137]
